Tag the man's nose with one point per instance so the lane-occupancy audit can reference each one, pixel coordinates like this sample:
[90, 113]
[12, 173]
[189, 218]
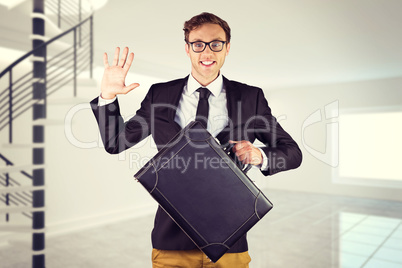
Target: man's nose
[207, 50]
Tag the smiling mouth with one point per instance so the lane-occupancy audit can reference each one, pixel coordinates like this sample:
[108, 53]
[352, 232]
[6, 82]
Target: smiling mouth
[207, 63]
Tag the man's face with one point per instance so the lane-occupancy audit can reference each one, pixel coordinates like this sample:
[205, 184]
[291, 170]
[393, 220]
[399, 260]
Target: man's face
[205, 66]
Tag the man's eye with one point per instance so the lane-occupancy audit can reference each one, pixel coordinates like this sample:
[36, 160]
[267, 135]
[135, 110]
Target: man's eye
[198, 45]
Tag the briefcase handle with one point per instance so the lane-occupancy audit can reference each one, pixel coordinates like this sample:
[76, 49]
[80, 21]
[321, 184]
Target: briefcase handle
[228, 151]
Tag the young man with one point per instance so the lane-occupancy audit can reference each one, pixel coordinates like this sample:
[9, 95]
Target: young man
[237, 113]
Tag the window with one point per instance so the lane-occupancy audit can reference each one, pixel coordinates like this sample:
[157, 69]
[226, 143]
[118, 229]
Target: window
[370, 147]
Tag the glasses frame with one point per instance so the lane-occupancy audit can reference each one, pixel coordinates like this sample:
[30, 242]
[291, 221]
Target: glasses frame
[207, 44]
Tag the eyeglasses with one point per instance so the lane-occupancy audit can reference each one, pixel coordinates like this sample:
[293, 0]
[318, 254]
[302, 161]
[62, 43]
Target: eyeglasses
[199, 46]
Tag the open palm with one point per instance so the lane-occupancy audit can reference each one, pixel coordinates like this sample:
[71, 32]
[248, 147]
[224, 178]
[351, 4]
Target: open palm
[114, 76]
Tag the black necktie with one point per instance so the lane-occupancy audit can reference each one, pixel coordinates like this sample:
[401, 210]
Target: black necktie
[203, 106]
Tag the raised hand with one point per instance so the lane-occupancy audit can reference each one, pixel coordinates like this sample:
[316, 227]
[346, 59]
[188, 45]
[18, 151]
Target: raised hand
[114, 76]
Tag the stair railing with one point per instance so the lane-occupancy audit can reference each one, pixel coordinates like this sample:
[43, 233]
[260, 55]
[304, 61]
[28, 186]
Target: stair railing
[68, 13]
[61, 69]
[23, 198]
[50, 72]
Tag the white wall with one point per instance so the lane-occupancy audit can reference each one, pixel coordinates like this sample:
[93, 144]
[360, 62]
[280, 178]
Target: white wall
[297, 104]
[86, 185]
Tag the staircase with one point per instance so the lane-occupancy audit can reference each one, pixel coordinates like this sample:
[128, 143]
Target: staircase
[61, 57]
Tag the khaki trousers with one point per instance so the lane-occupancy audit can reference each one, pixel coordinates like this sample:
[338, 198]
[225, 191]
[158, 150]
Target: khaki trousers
[197, 259]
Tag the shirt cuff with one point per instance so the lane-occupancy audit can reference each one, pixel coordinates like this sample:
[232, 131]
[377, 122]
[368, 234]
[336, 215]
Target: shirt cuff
[264, 165]
[102, 101]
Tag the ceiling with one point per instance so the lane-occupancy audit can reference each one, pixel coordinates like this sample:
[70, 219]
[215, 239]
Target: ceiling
[275, 44]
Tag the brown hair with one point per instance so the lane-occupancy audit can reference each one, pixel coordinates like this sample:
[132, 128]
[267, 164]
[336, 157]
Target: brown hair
[204, 18]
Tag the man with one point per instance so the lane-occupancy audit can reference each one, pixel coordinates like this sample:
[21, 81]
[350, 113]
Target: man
[237, 113]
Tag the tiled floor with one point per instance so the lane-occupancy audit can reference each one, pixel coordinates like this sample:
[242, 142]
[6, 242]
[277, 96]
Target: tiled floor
[303, 230]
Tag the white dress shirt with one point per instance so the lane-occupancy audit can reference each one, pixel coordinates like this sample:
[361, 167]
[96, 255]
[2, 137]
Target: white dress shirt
[187, 108]
[218, 112]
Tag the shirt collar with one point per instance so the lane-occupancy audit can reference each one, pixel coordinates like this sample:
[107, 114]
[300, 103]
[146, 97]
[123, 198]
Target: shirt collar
[215, 87]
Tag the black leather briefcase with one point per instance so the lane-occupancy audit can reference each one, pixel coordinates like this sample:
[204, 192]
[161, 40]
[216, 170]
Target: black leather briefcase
[203, 190]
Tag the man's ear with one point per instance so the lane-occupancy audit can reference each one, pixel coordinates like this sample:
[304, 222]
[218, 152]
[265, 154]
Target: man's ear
[227, 48]
[186, 47]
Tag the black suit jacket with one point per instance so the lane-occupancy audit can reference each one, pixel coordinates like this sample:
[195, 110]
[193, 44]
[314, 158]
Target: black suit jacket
[250, 118]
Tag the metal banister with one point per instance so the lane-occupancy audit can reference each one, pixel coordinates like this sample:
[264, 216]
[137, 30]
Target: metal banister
[30, 91]
[9, 163]
[6, 70]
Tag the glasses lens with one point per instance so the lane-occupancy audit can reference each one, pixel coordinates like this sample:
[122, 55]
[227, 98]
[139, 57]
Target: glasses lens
[216, 46]
[198, 46]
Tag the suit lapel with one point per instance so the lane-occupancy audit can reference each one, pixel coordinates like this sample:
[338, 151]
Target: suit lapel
[233, 97]
[173, 95]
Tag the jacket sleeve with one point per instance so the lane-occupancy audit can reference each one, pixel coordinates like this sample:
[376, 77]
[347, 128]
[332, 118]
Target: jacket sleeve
[282, 151]
[116, 134]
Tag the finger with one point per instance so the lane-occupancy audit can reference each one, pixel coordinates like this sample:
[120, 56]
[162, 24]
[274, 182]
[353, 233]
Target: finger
[250, 156]
[123, 57]
[128, 88]
[233, 142]
[129, 61]
[116, 56]
[244, 151]
[105, 61]
[240, 144]
[243, 158]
